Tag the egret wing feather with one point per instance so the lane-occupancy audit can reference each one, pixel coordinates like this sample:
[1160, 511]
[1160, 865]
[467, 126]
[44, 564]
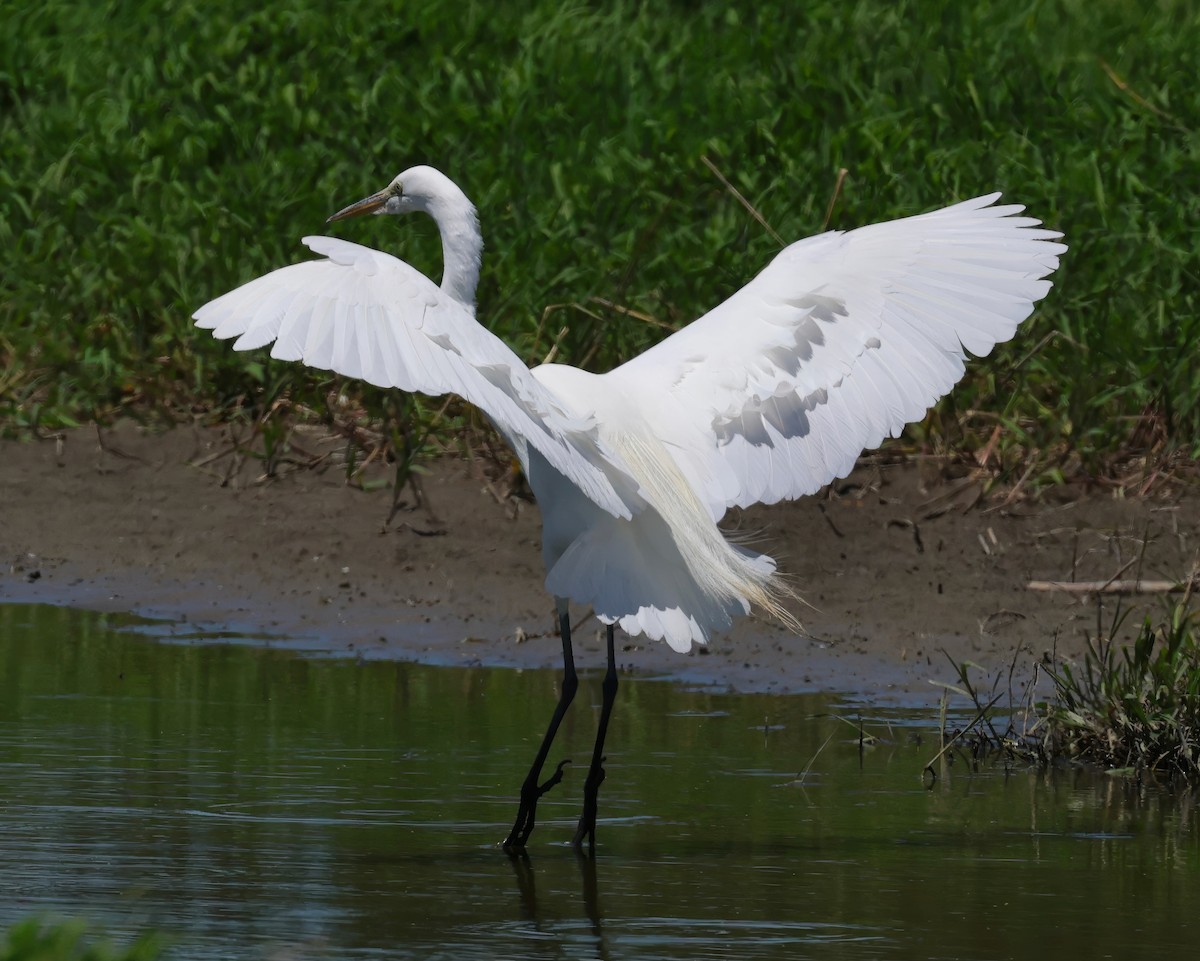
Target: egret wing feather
[843, 339]
[366, 314]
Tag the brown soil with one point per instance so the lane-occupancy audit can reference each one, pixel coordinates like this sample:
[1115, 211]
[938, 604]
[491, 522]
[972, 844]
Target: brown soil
[895, 572]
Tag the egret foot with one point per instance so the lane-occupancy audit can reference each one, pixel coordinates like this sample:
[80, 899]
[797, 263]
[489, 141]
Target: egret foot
[531, 789]
[587, 820]
[531, 793]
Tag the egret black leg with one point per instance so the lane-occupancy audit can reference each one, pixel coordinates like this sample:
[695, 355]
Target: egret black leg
[531, 790]
[595, 777]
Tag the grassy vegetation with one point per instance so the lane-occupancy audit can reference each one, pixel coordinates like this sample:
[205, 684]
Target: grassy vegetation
[1131, 706]
[157, 153]
[33, 940]
[1134, 707]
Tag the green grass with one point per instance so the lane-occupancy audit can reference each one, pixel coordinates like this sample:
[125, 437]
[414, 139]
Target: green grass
[157, 154]
[33, 940]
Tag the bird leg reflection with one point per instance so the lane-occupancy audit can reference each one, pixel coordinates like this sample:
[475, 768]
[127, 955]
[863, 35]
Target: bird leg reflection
[531, 790]
[595, 777]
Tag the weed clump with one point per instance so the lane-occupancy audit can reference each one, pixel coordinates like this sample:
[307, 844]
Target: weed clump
[1132, 708]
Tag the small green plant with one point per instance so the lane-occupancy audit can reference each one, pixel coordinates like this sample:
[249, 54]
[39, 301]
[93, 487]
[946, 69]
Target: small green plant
[36, 940]
[1133, 707]
[1130, 707]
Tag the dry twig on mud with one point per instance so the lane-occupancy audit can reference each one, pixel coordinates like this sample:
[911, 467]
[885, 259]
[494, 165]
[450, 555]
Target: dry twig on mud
[1116, 587]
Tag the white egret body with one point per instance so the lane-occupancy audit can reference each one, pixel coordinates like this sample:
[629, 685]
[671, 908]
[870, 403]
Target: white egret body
[841, 340]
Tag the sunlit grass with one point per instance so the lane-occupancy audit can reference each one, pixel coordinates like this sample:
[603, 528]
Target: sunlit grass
[157, 154]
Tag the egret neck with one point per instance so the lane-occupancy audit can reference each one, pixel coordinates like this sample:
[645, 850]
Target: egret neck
[462, 243]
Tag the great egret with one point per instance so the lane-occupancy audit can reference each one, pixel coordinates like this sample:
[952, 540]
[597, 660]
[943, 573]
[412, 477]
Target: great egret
[842, 339]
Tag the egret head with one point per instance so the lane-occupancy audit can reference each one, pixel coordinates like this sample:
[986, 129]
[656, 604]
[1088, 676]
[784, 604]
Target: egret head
[427, 190]
[416, 189]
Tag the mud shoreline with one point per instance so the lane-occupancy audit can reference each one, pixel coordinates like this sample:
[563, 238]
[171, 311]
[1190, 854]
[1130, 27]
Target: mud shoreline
[895, 571]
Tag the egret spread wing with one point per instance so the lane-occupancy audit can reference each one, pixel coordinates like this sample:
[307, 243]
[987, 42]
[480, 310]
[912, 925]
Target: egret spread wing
[366, 314]
[842, 340]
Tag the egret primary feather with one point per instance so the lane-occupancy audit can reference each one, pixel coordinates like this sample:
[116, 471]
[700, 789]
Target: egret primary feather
[838, 343]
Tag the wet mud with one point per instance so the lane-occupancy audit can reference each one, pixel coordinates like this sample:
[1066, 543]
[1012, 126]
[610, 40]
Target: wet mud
[898, 567]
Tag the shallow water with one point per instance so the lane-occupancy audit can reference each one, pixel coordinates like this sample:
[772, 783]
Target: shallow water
[260, 804]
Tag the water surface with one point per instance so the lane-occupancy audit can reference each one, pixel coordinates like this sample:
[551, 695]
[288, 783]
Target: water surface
[260, 804]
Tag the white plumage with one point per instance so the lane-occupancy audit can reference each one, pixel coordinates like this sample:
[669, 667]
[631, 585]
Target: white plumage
[843, 339]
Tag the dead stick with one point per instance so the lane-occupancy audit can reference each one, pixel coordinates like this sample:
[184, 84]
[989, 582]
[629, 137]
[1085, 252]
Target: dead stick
[737, 194]
[837, 190]
[1112, 587]
[950, 743]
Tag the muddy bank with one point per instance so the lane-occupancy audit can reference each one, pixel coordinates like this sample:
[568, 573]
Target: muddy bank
[894, 570]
